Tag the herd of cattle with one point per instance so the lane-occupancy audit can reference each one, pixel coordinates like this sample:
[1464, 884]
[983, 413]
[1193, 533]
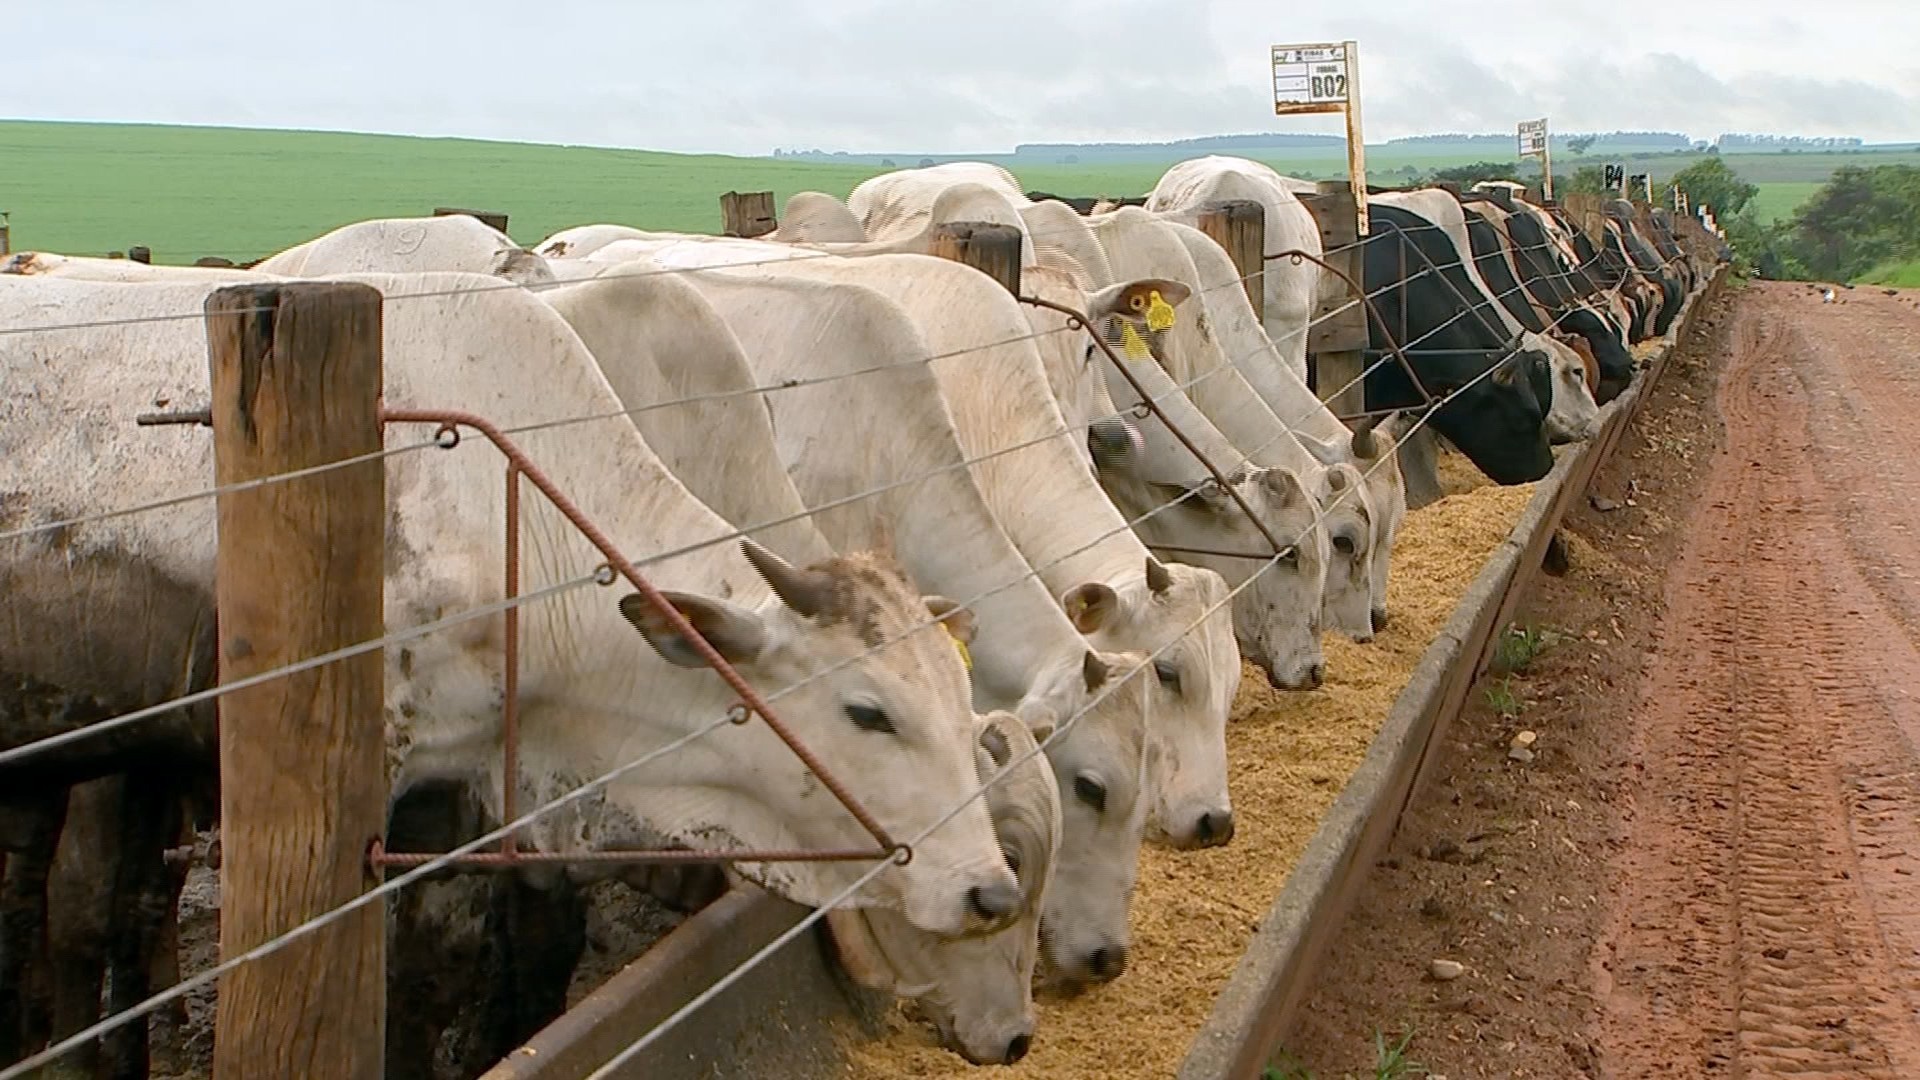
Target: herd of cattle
[921, 460]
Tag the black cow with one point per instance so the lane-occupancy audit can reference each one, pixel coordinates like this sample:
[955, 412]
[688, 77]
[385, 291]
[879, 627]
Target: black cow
[1647, 261]
[1499, 421]
[1571, 317]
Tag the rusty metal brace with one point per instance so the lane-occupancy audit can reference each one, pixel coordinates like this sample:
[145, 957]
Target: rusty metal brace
[520, 466]
[1077, 320]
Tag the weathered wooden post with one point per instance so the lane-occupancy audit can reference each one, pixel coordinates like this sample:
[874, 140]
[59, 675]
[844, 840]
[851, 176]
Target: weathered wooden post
[1240, 227]
[296, 382]
[747, 214]
[994, 250]
[1336, 347]
[489, 217]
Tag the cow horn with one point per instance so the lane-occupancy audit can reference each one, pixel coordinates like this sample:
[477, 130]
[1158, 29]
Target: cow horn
[805, 591]
[1159, 578]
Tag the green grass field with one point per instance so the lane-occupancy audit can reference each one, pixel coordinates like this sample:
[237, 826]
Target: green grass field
[1898, 275]
[185, 192]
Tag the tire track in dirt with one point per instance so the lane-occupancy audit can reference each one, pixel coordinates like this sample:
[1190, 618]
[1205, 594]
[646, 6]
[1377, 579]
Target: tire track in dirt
[1765, 918]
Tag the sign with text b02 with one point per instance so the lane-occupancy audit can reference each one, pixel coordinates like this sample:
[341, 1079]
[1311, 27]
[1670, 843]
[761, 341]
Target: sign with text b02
[1533, 137]
[1310, 78]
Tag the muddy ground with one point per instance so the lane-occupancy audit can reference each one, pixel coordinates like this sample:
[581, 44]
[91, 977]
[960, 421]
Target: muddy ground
[1708, 867]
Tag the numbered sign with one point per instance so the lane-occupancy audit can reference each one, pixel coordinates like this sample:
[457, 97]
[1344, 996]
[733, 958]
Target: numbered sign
[1311, 78]
[1615, 178]
[1533, 137]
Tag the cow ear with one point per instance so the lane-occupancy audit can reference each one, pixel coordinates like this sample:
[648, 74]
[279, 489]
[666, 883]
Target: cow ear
[1285, 488]
[859, 949]
[1203, 496]
[735, 632]
[1090, 607]
[957, 620]
[1131, 300]
[1094, 671]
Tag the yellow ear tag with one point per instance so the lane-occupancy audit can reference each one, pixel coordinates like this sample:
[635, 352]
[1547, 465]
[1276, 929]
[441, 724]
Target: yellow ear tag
[966, 658]
[1132, 344]
[1159, 313]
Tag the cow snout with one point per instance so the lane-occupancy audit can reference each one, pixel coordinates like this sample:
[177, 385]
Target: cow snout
[1107, 962]
[1214, 828]
[1113, 442]
[993, 903]
[1017, 1048]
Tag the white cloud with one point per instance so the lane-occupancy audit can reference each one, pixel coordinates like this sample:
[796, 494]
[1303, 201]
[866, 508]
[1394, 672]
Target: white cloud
[744, 76]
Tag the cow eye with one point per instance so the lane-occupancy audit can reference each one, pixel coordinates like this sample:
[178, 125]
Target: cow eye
[868, 718]
[1168, 673]
[1343, 545]
[1290, 558]
[1013, 860]
[1092, 792]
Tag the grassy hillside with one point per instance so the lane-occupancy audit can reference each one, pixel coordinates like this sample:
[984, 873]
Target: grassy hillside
[1899, 275]
[243, 193]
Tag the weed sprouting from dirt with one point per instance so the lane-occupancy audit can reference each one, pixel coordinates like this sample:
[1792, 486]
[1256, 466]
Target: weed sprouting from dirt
[1390, 1062]
[1501, 699]
[1520, 646]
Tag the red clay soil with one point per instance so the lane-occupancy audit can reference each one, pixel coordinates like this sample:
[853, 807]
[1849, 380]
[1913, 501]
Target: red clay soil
[1711, 868]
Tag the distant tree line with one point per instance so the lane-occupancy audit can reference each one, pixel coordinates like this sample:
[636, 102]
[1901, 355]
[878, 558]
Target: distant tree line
[1864, 220]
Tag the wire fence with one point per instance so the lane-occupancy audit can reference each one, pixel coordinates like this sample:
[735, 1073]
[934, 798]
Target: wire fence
[606, 574]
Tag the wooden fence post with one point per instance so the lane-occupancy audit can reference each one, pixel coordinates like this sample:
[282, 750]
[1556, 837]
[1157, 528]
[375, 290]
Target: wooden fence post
[490, 217]
[1240, 227]
[994, 250]
[1336, 347]
[747, 214]
[296, 382]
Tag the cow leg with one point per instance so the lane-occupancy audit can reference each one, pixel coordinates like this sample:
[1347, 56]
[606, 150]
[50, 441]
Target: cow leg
[142, 903]
[170, 1020]
[547, 932]
[1419, 466]
[438, 942]
[80, 915]
[31, 826]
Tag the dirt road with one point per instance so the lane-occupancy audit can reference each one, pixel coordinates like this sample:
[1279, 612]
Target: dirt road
[1766, 914]
[1713, 868]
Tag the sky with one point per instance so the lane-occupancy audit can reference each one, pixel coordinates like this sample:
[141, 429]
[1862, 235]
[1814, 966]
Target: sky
[969, 76]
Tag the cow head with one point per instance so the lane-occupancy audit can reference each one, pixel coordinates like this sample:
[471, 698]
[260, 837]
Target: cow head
[1606, 345]
[1347, 517]
[1100, 766]
[1571, 411]
[879, 693]
[978, 991]
[1276, 618]
[1498, 422]
[1179, 615]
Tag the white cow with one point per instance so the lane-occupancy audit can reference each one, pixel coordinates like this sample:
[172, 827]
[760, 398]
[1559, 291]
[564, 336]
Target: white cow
[592, 699]
[681, 376]
[1290, 289]
[407, 245]
[1278, 617]
[899, 203]
[48, 264]
[1573, 413]
[1313, 429]
[1033, 657]
[818, 218]
[977, 991]
[1193, 353]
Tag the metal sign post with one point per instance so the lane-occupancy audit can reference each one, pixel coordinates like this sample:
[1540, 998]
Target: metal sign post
[1534, 143]
[1325, 78]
